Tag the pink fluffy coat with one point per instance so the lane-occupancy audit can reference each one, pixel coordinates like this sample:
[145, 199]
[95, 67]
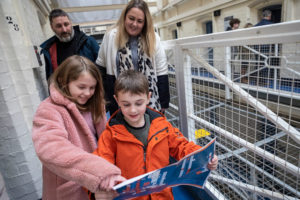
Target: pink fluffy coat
[64, 143]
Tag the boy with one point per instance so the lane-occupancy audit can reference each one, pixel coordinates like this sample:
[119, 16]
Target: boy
[138, 139]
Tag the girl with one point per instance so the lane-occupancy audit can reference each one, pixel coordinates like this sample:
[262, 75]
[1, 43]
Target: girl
[66, 127]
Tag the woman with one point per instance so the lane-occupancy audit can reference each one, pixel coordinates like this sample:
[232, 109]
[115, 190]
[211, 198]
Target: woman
[66, 127]
[246, 55]
[133, 44]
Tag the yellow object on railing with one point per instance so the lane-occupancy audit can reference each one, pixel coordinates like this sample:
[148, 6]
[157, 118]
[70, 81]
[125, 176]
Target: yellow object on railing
[201, 133]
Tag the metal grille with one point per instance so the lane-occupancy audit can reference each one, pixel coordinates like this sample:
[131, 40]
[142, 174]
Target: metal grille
[172, 113]
[247, 94]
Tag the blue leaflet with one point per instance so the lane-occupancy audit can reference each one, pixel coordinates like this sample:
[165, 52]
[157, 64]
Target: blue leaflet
[191, 170]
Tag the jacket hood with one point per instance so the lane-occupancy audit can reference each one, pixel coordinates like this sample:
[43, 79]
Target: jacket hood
[59, 99]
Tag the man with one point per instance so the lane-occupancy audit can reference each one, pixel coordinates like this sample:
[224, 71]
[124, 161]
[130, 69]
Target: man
[266, 73]
[68, 41]
[267, 15]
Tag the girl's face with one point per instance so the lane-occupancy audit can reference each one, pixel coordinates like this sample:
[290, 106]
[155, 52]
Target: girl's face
[83, 88]
[134, 21]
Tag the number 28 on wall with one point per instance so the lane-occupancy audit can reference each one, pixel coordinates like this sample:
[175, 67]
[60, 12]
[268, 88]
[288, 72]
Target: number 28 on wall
[10, 21]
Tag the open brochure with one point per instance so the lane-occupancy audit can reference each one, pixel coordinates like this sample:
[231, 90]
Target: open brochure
[190, 170]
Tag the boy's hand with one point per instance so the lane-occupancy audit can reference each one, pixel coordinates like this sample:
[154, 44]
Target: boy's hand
[213, 164]
[105, 195]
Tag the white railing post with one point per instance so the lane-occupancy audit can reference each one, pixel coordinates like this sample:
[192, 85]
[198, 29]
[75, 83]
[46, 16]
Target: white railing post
[180, 84]
[187, 69]
[227, 70]
[276, 69]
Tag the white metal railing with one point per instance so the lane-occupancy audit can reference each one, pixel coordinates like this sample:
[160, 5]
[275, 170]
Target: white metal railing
[255, 114]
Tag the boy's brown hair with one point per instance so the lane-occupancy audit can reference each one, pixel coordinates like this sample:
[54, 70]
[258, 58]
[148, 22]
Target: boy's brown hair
[132, 81]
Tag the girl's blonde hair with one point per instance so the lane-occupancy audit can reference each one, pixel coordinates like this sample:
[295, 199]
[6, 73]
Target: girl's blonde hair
[70, 70]
[147, 34]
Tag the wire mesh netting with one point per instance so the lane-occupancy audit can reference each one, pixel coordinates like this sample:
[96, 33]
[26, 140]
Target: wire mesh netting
[172, 113]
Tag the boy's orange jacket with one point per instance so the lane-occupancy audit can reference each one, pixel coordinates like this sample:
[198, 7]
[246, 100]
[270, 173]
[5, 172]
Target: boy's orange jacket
[121, 148]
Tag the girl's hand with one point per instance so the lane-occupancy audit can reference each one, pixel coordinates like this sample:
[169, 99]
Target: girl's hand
[213, 164]
[105, 195]
[108, 183]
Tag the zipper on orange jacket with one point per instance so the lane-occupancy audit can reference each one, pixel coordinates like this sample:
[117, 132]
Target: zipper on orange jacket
[157, 133]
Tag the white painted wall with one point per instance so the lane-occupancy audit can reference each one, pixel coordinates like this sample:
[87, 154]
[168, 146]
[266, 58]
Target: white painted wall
[22, 86]
[3, 193]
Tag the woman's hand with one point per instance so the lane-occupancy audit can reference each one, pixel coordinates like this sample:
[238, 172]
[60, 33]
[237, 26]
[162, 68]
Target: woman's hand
[212, 165]
[105, 195]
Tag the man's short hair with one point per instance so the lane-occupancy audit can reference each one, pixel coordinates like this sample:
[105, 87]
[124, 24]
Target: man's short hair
[234, 21]
[266, 13]
[133, 82]
[57, 13]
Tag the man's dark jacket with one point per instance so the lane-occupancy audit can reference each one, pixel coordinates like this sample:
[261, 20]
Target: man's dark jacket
[264, 22]
[86, 46]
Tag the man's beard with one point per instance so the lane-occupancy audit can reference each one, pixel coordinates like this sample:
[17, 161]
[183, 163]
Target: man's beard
[68, 38]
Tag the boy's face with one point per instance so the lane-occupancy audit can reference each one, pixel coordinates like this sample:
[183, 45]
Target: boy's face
[133, 107]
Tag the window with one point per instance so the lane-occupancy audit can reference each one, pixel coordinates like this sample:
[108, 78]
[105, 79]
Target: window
[174, 34]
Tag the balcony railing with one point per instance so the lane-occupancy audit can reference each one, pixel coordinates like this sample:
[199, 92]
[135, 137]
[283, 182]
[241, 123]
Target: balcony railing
[243, 87]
